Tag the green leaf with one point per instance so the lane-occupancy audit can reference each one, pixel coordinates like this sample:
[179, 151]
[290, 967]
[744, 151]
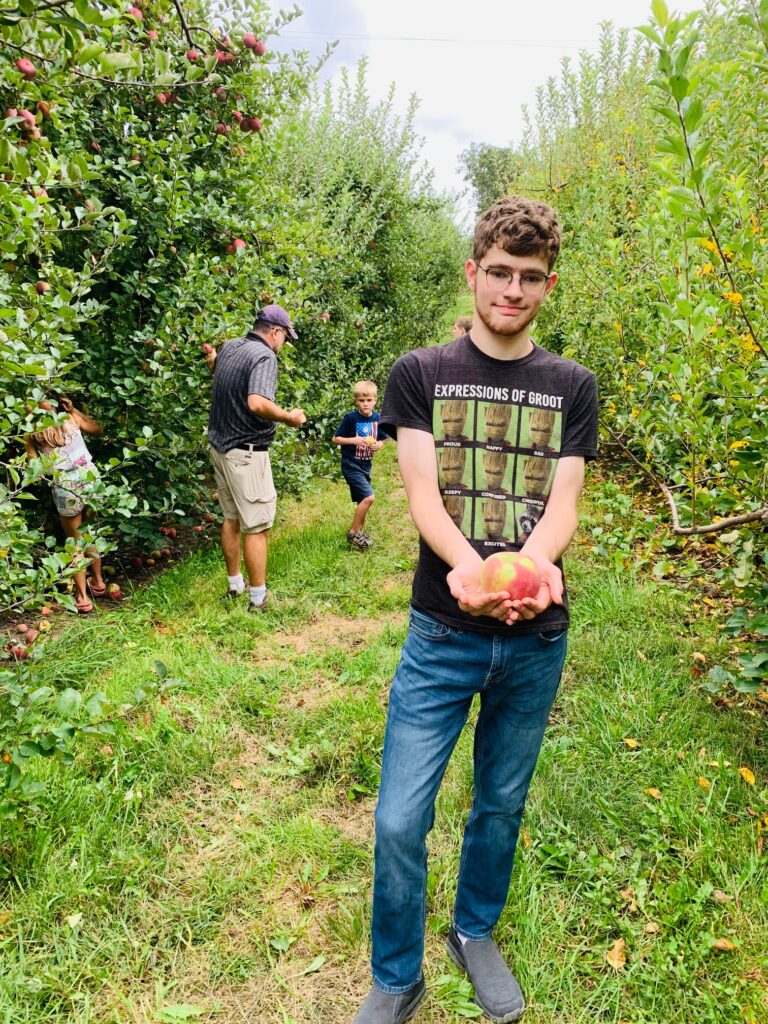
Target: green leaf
[117, 62]
[68, 703]
[179, 1013]
[694, 115]
[660, 12]
[88, 52]
[678, 86]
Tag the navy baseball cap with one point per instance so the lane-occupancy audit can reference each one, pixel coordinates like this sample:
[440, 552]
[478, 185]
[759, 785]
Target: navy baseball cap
[277, 315]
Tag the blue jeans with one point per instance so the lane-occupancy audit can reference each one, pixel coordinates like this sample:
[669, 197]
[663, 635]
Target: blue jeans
[441, 669]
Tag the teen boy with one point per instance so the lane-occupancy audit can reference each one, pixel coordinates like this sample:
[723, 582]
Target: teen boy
[359, 437]
[490, 387]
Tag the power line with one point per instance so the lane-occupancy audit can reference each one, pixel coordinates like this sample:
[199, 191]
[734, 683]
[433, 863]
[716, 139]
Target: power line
[520, 43]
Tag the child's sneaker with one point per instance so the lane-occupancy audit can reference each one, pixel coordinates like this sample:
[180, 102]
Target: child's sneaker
[368, 541]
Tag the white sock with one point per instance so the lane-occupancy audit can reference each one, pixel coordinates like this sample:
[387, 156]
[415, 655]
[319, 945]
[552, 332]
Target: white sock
[462, 938]
[237, 583]
[258, 594]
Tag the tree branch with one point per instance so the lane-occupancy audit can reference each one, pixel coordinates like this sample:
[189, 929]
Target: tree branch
[183, 20]
[761, 515]
[128, 84]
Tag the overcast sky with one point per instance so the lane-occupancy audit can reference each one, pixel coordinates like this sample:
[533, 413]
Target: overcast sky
[472, 65]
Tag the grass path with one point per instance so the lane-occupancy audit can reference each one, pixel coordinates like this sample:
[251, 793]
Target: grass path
[215, 863]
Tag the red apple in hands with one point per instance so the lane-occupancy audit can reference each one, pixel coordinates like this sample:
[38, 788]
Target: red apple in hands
[508, 570]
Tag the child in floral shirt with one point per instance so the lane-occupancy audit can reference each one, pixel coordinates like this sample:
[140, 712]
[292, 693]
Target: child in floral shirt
[72, 477]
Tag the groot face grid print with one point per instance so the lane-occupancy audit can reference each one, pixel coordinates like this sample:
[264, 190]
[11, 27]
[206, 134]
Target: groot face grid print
[496, 462]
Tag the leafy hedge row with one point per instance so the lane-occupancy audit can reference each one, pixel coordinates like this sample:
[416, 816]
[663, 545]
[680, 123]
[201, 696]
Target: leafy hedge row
[653, 152]
[159, 180]
[139, 145]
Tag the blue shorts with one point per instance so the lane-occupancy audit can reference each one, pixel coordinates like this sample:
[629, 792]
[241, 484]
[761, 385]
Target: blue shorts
[358, 476]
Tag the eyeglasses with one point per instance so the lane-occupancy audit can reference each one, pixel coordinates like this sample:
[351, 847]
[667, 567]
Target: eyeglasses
[499, 280]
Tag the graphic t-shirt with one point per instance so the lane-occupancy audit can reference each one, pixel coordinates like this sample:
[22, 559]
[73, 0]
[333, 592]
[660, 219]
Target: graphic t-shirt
[355, 424]
[499, 428]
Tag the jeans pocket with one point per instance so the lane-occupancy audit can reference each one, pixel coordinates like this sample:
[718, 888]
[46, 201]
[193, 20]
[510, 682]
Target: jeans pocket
[552, 637]
[427, 627]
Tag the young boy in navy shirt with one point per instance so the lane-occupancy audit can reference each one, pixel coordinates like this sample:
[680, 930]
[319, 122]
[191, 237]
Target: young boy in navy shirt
[359, 436]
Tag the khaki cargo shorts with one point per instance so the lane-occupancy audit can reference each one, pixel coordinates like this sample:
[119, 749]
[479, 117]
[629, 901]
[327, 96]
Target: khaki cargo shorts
[246, 490]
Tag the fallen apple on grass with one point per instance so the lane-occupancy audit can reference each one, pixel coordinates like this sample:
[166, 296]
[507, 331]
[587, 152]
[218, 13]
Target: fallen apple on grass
[508, 570]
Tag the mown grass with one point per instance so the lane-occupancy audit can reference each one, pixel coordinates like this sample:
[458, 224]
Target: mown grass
[216, 863]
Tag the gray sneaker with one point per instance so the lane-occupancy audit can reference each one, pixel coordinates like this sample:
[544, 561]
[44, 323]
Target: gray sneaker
[385, 1008]
[253, 607]
[497, 992]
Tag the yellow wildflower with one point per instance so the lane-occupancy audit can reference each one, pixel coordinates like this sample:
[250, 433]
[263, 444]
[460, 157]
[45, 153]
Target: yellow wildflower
[634, 414]
[708, 244]
[617, 327]
[735, 298]
[705, 270]
[676, 396]
[733, 462]
[738, 444]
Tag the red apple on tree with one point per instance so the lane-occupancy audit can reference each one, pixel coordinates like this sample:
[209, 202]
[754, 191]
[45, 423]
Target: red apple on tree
[508, 570]
[259, 47]
[235, 244]
[192, 55]
[41, 287]
[26, 67]
[136, 13]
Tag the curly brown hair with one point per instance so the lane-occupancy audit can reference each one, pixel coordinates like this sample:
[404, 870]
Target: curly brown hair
[520, 226]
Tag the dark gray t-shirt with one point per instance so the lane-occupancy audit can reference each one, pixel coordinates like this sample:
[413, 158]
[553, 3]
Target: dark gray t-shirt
[499, 428]
[244, 366]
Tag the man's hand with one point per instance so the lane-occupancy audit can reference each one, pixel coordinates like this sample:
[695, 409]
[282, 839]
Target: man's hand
[465, 586]
[550, 592]
[295, 418]
[66, 404]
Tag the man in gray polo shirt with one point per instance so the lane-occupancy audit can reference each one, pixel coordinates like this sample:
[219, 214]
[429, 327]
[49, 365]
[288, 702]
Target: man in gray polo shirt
[241, 426]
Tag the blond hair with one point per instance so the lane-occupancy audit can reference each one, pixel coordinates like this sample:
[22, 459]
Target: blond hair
[365, 387]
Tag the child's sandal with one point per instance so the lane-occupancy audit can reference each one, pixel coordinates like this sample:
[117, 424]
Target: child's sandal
[98, 591]
[84, 606]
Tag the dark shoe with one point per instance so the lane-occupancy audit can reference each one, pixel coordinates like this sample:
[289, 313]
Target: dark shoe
[253, 607]
[358, 541]
[231, 595]
[366, 539]
[385, 1008]
[496, 990]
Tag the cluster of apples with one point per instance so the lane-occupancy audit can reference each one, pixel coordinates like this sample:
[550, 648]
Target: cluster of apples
[26, 634]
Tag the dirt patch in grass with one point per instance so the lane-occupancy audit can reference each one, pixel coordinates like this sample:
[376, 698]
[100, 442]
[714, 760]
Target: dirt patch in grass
[322, 631]
[353, 819]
